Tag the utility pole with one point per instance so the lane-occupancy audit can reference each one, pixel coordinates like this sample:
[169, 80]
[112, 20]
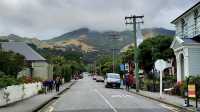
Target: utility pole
[100, 69]
[132, 20]
[152, 50]
[114, 37]
[95, 69]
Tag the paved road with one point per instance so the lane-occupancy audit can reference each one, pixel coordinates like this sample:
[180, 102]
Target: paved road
[88, 96]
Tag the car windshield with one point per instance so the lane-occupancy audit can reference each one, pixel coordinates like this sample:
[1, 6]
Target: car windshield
[113, 76]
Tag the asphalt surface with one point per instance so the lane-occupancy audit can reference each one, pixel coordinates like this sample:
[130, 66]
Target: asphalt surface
[89, 96]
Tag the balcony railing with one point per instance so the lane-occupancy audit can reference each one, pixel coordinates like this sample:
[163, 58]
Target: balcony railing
[190, 31]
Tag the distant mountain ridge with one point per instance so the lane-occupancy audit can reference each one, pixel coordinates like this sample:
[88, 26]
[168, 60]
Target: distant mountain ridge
[92, 43]
[102, 42]
[147, 32]
[90, 40]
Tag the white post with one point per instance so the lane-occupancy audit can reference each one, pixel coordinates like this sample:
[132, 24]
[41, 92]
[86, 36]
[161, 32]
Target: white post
[161, 65]
[161, 73]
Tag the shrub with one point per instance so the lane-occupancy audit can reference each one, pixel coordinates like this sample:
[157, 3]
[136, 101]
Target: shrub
[149, 85]
[41, 91]
[28, 79]
[8, 81]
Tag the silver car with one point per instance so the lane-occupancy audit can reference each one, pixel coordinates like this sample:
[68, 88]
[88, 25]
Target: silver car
[112, 80]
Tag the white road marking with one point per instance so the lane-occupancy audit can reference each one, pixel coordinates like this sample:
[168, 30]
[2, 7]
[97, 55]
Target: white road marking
[170, 108]
[121, 96]
[110, 105]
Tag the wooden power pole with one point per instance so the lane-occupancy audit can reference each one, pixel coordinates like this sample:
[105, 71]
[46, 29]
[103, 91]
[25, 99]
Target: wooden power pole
[132, 20]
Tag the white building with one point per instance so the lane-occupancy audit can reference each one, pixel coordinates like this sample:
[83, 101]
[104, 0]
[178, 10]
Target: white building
[37, 66]
[186, 44]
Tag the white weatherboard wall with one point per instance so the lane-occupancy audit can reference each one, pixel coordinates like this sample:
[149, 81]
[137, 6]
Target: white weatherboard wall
[194, 61]
[15, 93]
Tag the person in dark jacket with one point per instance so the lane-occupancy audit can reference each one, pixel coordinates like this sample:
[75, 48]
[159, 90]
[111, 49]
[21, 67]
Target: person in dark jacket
[45, 86]
[127, 82]
[58, 83]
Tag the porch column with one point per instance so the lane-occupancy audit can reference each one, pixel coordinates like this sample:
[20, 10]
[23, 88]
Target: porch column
[178, 71]
[186, 63]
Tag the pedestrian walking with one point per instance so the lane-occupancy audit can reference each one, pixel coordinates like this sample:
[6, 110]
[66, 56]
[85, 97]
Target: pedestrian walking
[45, 86]
[57, 83]
[50, 85]
[127, 82]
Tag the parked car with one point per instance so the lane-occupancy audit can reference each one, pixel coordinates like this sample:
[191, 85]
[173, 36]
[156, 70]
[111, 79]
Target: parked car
[112, 80]
[94, 77]
[99, 79]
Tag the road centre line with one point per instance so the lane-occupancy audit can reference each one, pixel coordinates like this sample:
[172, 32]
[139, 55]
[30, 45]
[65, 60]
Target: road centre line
[103, 97]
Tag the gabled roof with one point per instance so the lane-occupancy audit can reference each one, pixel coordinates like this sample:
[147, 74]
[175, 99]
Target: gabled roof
[196, 5]
[23, 49]
[175, 41]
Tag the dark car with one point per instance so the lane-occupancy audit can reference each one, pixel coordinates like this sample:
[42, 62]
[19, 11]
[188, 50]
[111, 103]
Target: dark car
[94, 77]
[99, 79]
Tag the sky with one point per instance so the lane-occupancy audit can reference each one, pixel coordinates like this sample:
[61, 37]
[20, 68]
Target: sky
[46, 19]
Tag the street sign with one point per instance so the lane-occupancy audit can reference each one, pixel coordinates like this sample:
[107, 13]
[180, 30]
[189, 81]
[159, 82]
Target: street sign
[160, 65]
[126, 67]
[191, 91]
[122, 67]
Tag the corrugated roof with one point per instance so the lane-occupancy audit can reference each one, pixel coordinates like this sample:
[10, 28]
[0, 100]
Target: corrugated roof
[23, 49]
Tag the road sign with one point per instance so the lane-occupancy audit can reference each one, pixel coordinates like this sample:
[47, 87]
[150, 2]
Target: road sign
[160, 65]
[191, 91]
[126, 67]
[122, 67]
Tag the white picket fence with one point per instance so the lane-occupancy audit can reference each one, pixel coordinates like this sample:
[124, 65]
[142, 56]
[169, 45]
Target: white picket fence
[15, 93]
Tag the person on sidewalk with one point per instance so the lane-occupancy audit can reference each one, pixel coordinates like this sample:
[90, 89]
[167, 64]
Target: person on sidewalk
[127, 82]
[57, 83]
[45, 86]
[50, 85]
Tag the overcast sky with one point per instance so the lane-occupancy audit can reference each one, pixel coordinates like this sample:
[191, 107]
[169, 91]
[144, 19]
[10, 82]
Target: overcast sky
[49, 18]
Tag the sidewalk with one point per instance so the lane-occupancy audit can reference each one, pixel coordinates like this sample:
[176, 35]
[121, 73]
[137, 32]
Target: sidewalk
[35, 102]
[167, 99]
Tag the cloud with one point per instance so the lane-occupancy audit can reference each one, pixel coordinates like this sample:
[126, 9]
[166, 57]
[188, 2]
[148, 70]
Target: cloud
[49, 18]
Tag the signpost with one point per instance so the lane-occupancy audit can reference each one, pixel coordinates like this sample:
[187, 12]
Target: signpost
[126, 66]
[122, 67]
[160, 65]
